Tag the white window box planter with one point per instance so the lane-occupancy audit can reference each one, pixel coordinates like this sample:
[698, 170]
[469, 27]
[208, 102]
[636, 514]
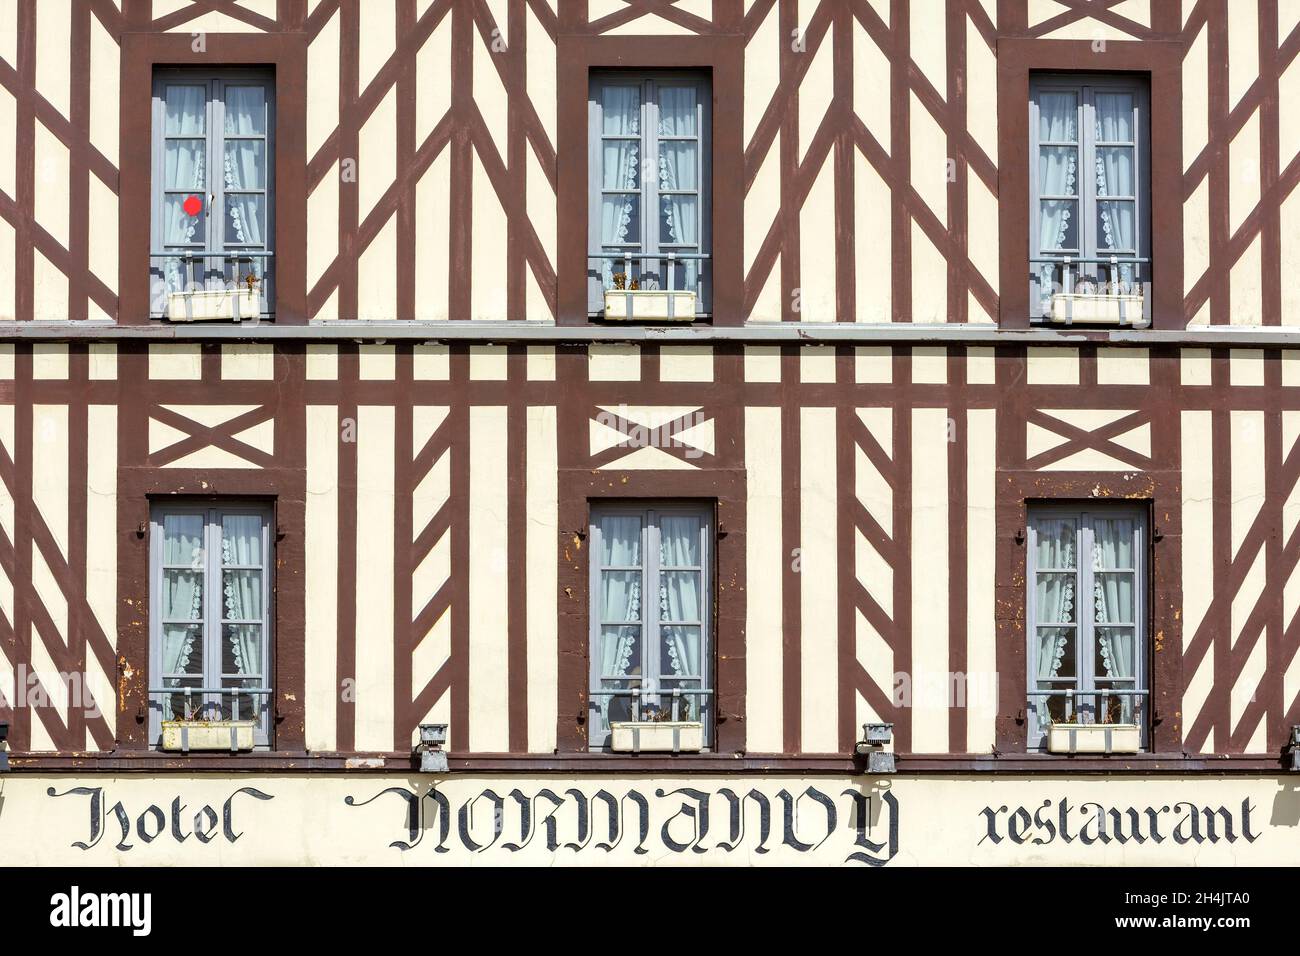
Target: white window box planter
[649, 305]
[187, 735]
[214, 306]
[665, 736]
[1090, 308]
[1093, 739]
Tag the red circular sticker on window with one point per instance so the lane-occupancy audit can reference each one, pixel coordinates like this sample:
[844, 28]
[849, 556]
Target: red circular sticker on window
[193, 205]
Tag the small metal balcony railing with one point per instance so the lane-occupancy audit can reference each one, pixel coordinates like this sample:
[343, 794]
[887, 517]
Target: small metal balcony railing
[201, 273]
[671, 258]
[1123, 293]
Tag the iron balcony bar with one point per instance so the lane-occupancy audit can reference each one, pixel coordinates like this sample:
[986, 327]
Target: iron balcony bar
[677, 693]
[627, 258]
[1064, 261]
[190, 691]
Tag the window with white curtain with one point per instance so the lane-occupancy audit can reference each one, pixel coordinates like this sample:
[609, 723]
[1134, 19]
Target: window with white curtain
[213, 183]
[1086, 613]
[651, 615]
[210, 613]
[1089, 187]
[649, 172]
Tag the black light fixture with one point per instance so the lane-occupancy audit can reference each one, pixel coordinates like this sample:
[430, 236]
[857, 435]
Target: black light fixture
[433, 759]
[874, 739]
[1295, 747]
[4, 757]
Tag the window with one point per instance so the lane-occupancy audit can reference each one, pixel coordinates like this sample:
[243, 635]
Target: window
[213, 188]
[1086, 610]
[1090, 199]
[658, 646]
[649, 215]
[210, 614]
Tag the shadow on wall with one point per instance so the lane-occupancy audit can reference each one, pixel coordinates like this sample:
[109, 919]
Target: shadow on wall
[1286, 805]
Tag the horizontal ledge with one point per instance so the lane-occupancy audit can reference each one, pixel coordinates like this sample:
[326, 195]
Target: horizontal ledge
[150, 761]
[755, 333]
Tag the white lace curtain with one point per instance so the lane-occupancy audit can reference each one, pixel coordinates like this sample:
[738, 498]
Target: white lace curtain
[1058, 170]
[679, 601]
[182, 600]
[1115, 176]
[621, 116]
[1054, 597]
[1113, 604]
[185, 173]
[678, 159]
[241, 545]
[182, 650]
[245, 109]
[620, 600]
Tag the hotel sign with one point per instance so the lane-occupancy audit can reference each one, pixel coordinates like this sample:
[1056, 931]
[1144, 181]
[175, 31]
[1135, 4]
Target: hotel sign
[835, 820]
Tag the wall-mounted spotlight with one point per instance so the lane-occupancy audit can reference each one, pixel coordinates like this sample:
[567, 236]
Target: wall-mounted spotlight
[1295, 747]
[4, 757]
[433, 759]
[874, 739]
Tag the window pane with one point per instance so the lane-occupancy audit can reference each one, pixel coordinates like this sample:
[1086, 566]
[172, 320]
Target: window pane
[241, 540]
[1056, 657]
[1058, 226]
[678, 164]
[241, 595]
[620, 164]
[611, 707]
[679, 541]
[1054, 599]
[181, 706]
[1058, 171]
[179, 228]
[679, 221]
[182, 597]
[620, 651]
[620, 224]
[1058, 117]
[679, 596]
[245, 164]
[245, 111]
[1115, 171]
[241, 649]
[1112, 543]
[620, 541]
[1113, 598]
[183, 540]
[620, 595]
[620, 108]
[677, 111]
[186, 110]
[1117, 709]
[1056, 543]
[1116, 226]
[243, 706]
[1114, 117]
[245, 220]
[1115, 658]
[680, 654]
[182, 650]
[689, 706]
[183, 164]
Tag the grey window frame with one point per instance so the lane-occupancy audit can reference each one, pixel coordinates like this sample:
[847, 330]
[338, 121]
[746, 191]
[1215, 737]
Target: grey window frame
[1083, 86]
[212, 513]
[1084, 625]
[650, 513]
[648, 242]
[214, 204]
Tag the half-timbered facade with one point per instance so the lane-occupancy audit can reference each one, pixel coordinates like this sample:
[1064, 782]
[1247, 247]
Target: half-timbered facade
[427, 479]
